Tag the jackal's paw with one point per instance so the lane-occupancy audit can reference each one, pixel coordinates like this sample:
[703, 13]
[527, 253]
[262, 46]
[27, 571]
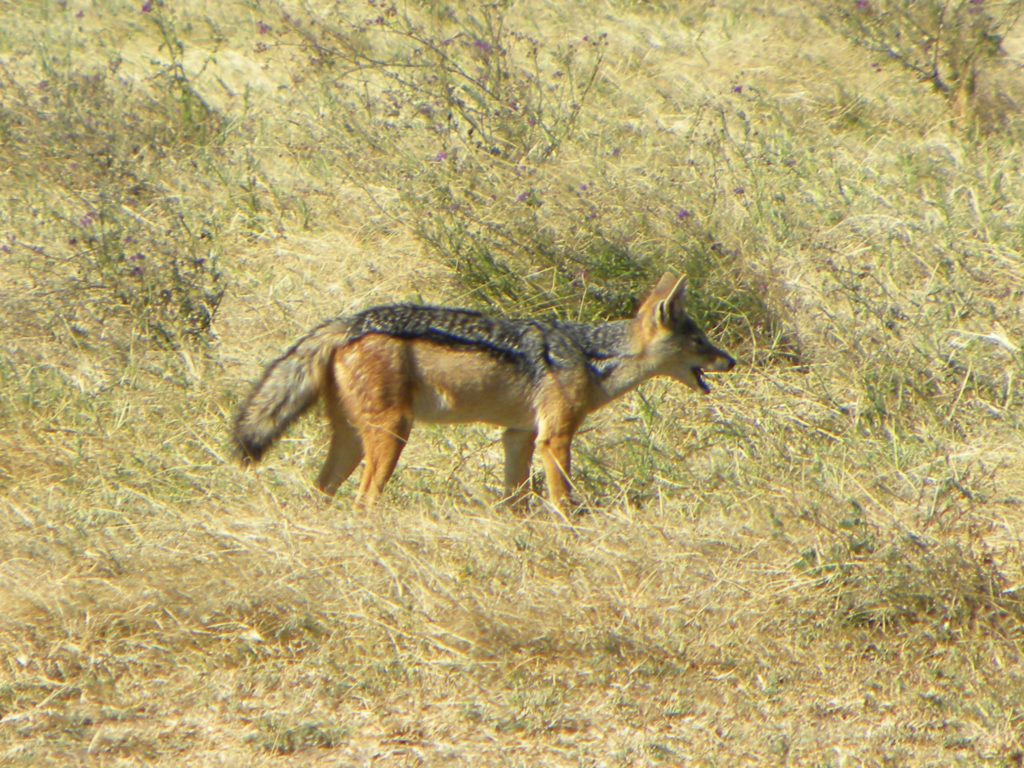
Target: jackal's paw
[569, 509]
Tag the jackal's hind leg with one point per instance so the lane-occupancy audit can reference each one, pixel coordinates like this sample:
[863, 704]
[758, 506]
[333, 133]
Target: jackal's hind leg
[346, 450]
[345, 453]
[518, 455]
[383, 442]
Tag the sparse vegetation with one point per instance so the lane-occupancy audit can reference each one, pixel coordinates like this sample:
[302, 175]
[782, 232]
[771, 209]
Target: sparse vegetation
[819, 564]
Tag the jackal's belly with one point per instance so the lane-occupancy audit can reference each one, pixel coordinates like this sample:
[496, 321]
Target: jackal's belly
[453, 386]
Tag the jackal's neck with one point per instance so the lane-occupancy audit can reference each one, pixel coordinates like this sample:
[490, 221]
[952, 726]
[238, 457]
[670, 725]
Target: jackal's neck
[618, 366]
[624, 375]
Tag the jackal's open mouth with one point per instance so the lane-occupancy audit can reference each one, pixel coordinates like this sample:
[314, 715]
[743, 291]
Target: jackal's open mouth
[698, 375]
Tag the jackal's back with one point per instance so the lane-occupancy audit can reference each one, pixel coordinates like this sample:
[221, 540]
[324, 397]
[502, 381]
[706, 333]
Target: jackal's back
[443, 325]
[533, 345]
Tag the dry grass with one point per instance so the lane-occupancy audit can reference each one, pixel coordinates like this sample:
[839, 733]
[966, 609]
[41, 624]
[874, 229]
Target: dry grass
[821, 564]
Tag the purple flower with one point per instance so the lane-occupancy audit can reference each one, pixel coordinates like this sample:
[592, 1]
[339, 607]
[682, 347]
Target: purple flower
[483, 46]
[737, 89]
[147, 7]
[683, 214]
[441, 157]
[523, 197]
[863, 5]
[137, 270]
[739, 190]
[262, 27]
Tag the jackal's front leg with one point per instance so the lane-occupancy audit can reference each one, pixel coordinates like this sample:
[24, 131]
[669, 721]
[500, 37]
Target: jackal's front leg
[555, 451]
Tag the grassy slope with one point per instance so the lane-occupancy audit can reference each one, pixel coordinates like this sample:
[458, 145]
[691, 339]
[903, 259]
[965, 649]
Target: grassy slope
[818, 565]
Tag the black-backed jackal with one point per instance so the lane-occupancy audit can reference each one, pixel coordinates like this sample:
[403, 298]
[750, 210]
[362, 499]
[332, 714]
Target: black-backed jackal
[383, 368]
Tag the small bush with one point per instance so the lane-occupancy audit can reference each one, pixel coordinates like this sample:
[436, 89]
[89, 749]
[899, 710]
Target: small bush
[280, 735]
[458, 112]
[99, 230]
[945, 44]
[912, 580]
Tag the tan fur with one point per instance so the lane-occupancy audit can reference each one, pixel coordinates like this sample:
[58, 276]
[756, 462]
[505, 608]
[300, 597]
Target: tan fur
[380, 371]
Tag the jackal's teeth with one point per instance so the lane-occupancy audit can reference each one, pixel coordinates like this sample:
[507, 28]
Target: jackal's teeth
[698, 374]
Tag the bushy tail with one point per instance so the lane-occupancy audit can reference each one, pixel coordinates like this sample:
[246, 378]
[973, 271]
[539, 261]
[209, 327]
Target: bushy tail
[290, 385]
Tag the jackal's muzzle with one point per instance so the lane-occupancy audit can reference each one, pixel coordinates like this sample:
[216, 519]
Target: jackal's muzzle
[718, 362]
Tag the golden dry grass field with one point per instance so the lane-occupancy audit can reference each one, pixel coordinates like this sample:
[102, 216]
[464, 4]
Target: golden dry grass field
[819, 564]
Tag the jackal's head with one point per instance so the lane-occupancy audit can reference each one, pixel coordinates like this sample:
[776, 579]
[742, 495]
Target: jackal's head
[672, 341]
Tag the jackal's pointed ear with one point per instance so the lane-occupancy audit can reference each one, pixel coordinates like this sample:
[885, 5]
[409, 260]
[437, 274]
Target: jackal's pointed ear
[671, 306]
[666, 302]
[663, 290]
[665, 286]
